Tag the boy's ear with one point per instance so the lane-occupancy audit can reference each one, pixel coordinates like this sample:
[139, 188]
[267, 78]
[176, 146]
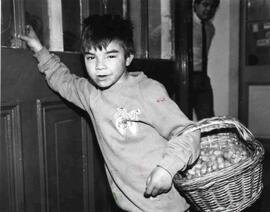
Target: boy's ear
[129, 59]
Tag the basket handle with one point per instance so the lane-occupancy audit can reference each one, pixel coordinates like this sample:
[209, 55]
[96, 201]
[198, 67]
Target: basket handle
[243, 131]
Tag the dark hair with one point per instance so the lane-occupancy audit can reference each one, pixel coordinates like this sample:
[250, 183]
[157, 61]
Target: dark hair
[100, 30]
[216, 2]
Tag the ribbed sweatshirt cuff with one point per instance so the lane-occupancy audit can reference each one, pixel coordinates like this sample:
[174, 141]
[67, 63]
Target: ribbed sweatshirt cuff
[172, 165]
[42, 56]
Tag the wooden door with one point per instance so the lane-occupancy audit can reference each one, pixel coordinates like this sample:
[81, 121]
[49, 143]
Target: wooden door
[48, 161]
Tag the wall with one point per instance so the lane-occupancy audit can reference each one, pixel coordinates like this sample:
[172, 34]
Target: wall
[224, 58]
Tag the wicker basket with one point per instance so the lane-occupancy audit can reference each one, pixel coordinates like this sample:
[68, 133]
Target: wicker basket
[233, 188]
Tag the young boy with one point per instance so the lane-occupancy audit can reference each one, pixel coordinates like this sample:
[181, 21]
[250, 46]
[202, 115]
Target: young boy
[138, 127]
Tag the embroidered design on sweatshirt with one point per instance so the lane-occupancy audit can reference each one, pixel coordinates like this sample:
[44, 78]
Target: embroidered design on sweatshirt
[126, 121]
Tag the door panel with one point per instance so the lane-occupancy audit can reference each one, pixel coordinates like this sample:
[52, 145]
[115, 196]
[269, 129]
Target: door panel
[61, 140]
[259, 96]
[11, 169]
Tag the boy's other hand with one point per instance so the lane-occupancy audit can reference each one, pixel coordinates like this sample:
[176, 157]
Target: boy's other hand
[158, 182]
[31, 39]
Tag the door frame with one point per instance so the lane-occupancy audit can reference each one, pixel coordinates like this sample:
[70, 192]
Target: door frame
[254, 75]
[183, 53]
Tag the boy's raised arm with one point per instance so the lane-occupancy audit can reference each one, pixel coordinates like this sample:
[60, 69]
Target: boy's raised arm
[58, 76]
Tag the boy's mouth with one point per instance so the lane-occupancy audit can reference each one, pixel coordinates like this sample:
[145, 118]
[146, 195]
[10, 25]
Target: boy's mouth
[102, 77]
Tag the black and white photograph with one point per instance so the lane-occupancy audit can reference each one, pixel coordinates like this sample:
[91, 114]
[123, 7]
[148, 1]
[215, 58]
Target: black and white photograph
[135, 106]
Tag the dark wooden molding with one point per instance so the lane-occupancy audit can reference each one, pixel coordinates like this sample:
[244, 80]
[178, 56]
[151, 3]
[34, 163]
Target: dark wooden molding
[42, 158]
[19, 21]
[10, 118]
[183, 52]
[85, 11]
[243, 88]
[145, 30]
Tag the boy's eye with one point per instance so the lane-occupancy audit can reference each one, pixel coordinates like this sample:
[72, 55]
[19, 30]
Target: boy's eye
[111, 56]
[89, 57]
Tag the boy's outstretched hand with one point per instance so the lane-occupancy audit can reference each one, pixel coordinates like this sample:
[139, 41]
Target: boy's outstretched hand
[31, 39]
[158, 182]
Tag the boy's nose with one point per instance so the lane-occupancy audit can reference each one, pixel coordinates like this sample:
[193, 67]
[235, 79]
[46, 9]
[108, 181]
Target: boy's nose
[100, 64]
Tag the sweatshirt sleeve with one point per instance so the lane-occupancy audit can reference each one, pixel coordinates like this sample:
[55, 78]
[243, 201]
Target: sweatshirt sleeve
[170, 122]
[71, 87]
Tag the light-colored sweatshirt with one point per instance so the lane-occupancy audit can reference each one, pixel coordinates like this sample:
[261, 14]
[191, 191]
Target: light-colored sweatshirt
[137, 126]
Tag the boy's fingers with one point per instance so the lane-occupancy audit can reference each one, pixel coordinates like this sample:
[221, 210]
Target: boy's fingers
[148, 192]
[28, 28]
[29, 31]
[148, 180]
[22, 37]
[149, 188]
[152, 191]
[155, 192]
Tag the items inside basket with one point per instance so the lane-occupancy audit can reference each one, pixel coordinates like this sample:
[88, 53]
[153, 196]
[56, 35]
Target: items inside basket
[220, 148]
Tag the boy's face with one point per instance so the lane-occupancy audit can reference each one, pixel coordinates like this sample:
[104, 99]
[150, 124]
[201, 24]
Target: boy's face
[107, 67]
[206, 9]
